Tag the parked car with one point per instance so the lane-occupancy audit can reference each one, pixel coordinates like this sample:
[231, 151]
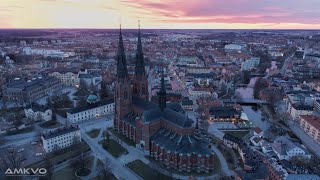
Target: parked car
[39, 154]
[20, 150]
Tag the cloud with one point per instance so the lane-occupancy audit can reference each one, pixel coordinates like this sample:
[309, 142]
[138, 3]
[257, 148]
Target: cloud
[231, 11]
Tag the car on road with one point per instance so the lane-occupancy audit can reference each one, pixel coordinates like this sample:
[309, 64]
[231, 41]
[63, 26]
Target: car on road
[39, 154]
[34, 142]
[20, 150]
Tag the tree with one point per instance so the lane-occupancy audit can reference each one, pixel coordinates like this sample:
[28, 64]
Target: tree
[246, 75]
[106, 138]
[81, 162]
[2, 139]
[11, 158]
[105, 170]
[50, 169]
[258, 86]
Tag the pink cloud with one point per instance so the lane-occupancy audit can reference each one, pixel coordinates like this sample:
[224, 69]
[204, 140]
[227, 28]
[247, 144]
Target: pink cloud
[231, 11]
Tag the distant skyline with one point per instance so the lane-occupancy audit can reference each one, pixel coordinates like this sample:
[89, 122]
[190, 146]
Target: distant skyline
[161, 14]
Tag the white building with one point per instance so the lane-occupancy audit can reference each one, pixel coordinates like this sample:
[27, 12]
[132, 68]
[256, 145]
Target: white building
[38, 113]
[67, 76]
[234, 47]
[285, 149]
[94, 109]
[299, 104]
[61, 138]
[187, 104]
[200, 92]
[250, 64]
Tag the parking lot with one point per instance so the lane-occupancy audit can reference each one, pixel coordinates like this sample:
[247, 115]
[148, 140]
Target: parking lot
[28, 152]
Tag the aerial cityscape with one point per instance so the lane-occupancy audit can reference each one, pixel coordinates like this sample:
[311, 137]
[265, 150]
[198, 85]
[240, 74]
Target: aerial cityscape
[153, 90]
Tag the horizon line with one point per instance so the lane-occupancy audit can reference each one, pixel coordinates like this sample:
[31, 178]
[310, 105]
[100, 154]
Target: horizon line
[90, 28]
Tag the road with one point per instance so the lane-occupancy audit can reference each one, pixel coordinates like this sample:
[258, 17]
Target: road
[305, 138]
[119, 169]
[224, 166]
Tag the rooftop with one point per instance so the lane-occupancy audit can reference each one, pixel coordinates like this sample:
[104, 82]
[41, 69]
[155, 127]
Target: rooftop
[313, 120]
[60, 131]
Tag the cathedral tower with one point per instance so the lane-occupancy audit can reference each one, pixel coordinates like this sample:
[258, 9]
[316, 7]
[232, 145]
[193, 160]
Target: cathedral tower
[140, 81]
[123, 91]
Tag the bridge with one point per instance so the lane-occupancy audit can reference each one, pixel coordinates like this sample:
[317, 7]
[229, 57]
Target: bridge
[247, 101]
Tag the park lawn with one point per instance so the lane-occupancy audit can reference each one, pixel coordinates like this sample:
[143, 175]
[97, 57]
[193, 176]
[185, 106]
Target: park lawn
[227, 155]
[122, 137]
[62, 155]
[50, 124]
[114, 148]
[65, 173]
[238, 134]
[146, 172]
[94, 133]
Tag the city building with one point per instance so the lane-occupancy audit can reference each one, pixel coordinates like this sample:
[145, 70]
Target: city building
[37, 112]
[224, 113]
[93, 109]
[187, 104]
[22, 91]
[60, 138]
[285, 149]
[67, 76]
[311, 125]
[234, 47]
[163, 133]
[250, 64]
[300, 103]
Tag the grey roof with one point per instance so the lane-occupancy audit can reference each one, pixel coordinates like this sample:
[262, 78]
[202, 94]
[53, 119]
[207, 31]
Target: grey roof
[143, 104]
[282, 145]
[168, 115]
[187, 102]
[90, 106]
[180, 144]
[302, 176]
[223, 112]
[60, 131]
[37, 107]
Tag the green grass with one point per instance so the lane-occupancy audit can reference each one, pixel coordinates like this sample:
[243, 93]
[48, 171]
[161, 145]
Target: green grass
[83, 172]
[65, 173]
[238, 134]
[94, 133]
[50, 124]
[227, 155]
[62, 155]
[122, 137]
[114, 148]
[146, 172]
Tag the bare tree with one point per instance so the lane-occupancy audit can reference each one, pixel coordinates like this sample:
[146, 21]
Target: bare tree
[50, 169]
[105, 170]
[106, 138]
[11, 158]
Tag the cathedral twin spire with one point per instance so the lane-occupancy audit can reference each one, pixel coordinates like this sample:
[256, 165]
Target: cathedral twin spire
[122, 71]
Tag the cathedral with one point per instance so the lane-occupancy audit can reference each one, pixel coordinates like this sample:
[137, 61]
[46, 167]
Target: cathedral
[161, 130]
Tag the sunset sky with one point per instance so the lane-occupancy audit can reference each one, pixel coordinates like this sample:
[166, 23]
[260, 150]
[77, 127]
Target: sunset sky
[169, 14]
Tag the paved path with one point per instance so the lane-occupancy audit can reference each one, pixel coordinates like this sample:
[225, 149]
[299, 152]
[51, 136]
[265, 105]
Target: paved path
[305, 138]
[223, 163]
[118, 168]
